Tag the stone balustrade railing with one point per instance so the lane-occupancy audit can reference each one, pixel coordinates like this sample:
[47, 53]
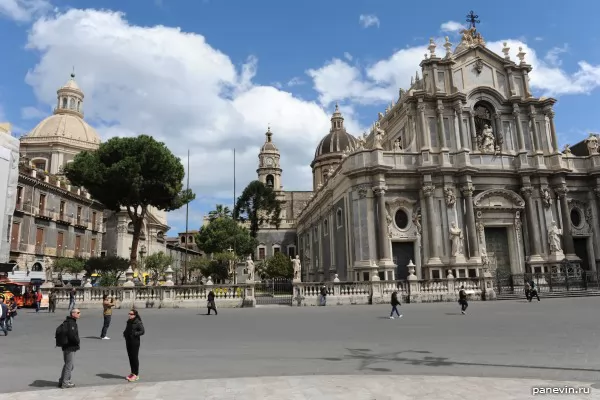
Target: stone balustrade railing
[226, 296]
[379, 292]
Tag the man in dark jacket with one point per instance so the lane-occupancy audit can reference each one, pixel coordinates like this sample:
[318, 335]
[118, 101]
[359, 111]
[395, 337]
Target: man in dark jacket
[70, 348]
[3, 316]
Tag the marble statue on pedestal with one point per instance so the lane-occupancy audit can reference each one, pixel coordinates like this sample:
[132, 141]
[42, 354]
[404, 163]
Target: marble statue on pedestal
[297, 267]
[554, 234]
[456, 237]
[592, 144]
[487, 140]
[250, 268]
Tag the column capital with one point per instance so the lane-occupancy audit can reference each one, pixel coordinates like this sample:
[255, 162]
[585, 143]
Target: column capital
[421, 107]
[467, 190]
[561, 190]
[379, 191]
[526, 191]
[428, 189]
[439, 109]
[516, 110]
[548, 112]
[597, 191]
[496, 115]
[458, 107]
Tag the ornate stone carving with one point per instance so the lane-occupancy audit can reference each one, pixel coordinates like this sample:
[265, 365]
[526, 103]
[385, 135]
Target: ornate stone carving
[516, 110]
[597, 191]
[518, 224]
[554, 234]
[428, 189]
[121, 229]
[379, 191]
[489, 198]
[567, 150]
[250, 268]
[592, 144]
[421, 108]
[526, 191]
[549, 113]
[397, 145]
[561, 190]
[416, 219]
[456, 238]
[362, 192]
[450, 197]
[467, 190]
[487, 140]
[471, 38]
[546, 198]
[439, 109]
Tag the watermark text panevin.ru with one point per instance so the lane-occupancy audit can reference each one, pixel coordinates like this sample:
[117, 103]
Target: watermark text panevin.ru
[561, 390]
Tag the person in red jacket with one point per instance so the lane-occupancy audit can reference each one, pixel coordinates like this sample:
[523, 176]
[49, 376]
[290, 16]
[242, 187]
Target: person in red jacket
[38, 300]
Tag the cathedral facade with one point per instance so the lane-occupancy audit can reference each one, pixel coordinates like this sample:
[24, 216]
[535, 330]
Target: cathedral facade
[462, 174]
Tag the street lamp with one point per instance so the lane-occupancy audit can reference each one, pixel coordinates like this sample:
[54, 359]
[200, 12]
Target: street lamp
[232, 265]
[141, 267]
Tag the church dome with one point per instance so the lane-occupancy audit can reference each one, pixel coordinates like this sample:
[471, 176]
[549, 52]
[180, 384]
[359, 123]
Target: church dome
[65, 126]
[338, 139]
[67, 121]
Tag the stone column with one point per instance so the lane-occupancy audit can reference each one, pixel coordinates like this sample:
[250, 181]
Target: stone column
[533, 232]
[499, 133]
[521, 139]
[442, 132]
[432, 223]
[467, 192]
[424, 131]
[550, 115]
[462, 132]
[383, 236]
[569, 249]
[537, 147]
[473, 132]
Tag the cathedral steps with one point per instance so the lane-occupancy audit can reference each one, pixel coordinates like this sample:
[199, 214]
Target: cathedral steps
[550, 295]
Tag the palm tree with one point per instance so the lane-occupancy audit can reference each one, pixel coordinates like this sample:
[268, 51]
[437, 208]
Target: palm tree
[221, 211]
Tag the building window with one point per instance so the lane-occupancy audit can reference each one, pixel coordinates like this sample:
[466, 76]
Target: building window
[42, 203]
[270, 181]
[291, 251]
[339, 217]
[401, 219]
[190, 239]
[325, 227]
[61, 211]
[39, 164]
[576, 217]
[182, 239]
[79, 215]
[94, 220]
[261, 253]
[19, 196]
[276, 249]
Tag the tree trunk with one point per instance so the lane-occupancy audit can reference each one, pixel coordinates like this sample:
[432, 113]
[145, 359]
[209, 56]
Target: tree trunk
[137, 228]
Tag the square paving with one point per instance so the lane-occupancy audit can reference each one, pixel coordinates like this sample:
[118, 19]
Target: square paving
[554, 339]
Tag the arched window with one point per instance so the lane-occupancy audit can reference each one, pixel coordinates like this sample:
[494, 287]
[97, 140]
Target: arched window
[339, 218]
[64, 102]
[72, 103]
[270, 181]
[37, 267]
[325, 227]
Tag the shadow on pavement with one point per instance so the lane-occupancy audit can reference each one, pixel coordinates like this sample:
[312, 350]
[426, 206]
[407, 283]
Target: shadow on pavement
[92, 337]
[111, 376]
[43, 384]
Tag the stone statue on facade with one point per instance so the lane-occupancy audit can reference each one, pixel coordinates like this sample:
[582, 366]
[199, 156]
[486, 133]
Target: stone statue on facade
[487, 140]
[416, 220]
[546, 198]
[361, 142]
[297, 267]
[567, 150]
[397, 145]
[592, 144]
[554, 234]
[450, 197]
[250, 268]
[456, 237]
[49, 272]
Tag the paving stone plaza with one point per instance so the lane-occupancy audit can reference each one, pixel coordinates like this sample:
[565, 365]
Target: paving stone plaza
[499, 350]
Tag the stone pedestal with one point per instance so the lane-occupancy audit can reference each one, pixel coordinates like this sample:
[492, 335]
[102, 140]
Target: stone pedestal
[209, 282]
[129, 278]
[169, 277]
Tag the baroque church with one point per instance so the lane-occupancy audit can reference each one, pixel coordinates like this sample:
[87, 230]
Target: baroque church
[53, 219]
[461, 174]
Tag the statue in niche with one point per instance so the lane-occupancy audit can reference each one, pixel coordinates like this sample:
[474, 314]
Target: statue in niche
[456, 237]
[250, 268]
[397, 145]
[546, 198]
[417, 220]
[450, 197]
[297, 267]
[554, 234]
[487, 140]
[592, 144]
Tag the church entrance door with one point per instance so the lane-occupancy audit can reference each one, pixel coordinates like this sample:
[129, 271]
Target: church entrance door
[496, 242]
[402, 252]
[581, 251]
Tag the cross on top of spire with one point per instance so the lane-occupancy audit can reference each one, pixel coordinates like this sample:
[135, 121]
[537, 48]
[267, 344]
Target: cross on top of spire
[472, 19]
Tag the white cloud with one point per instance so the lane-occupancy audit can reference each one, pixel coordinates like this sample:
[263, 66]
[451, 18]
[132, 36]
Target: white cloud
[368, 20]
[452, 26]
[23, 10]
[175, 86]
[295, 81]
[538, 38]
[348, 56]
[33, 113]
[552, 57]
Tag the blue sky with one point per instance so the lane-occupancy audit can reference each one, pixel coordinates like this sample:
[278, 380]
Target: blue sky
[210, 75]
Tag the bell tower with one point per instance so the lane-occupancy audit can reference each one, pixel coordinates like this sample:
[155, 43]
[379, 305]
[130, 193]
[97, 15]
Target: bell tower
[269, 168]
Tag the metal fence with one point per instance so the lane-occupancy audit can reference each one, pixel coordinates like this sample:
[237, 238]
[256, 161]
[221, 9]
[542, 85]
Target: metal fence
[277, 291]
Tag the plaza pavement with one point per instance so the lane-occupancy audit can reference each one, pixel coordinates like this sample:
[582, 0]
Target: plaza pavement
[500, 349]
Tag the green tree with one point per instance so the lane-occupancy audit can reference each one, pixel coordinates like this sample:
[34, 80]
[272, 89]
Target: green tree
[110, 268]
[279, 266]
[224, 233]
[217, 267]
[73, 266]
[220, 211]
[259, 205]
[156, 264]
[134, 174]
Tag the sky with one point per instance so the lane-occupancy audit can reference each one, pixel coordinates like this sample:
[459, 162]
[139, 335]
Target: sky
[209, 76]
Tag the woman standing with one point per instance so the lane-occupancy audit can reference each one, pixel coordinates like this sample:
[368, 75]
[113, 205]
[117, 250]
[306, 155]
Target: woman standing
[210, 304]
[132, 334]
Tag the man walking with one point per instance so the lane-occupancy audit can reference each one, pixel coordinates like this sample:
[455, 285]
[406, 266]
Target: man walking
[70, 344]
[72, 299]
[12, 313]
[38, 300]
[52, 302]
[462, 300]
[108, 306]
[3, 316]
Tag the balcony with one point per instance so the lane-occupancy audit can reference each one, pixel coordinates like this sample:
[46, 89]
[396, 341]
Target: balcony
[77, 253]
[42, 213]
[81, 223]
[40, 249]
[60, 252]
[63, 219]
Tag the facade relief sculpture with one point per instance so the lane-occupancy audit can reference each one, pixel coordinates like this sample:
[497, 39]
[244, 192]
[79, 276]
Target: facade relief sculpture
[450, 197]
[546, 198]
[554, 240]
[567, 150]
[487, 141]
[416, 220]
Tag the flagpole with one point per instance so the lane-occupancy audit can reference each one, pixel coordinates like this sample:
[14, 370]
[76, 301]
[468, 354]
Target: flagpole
[187, 209]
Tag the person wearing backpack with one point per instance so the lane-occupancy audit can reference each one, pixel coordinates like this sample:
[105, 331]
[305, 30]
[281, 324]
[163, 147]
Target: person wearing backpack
[462, 300]
[132, 334]
[67, 338]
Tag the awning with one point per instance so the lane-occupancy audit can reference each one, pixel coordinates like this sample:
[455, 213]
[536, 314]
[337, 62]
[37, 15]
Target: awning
[6, 267]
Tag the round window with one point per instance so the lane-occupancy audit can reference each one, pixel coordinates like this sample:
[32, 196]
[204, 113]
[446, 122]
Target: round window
[575, 217]
[401, 219]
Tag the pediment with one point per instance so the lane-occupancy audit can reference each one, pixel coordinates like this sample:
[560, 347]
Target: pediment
[483, 53]
[498, 199]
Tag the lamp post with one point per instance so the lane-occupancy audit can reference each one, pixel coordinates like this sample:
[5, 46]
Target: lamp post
[141, 268]
[232, 265]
